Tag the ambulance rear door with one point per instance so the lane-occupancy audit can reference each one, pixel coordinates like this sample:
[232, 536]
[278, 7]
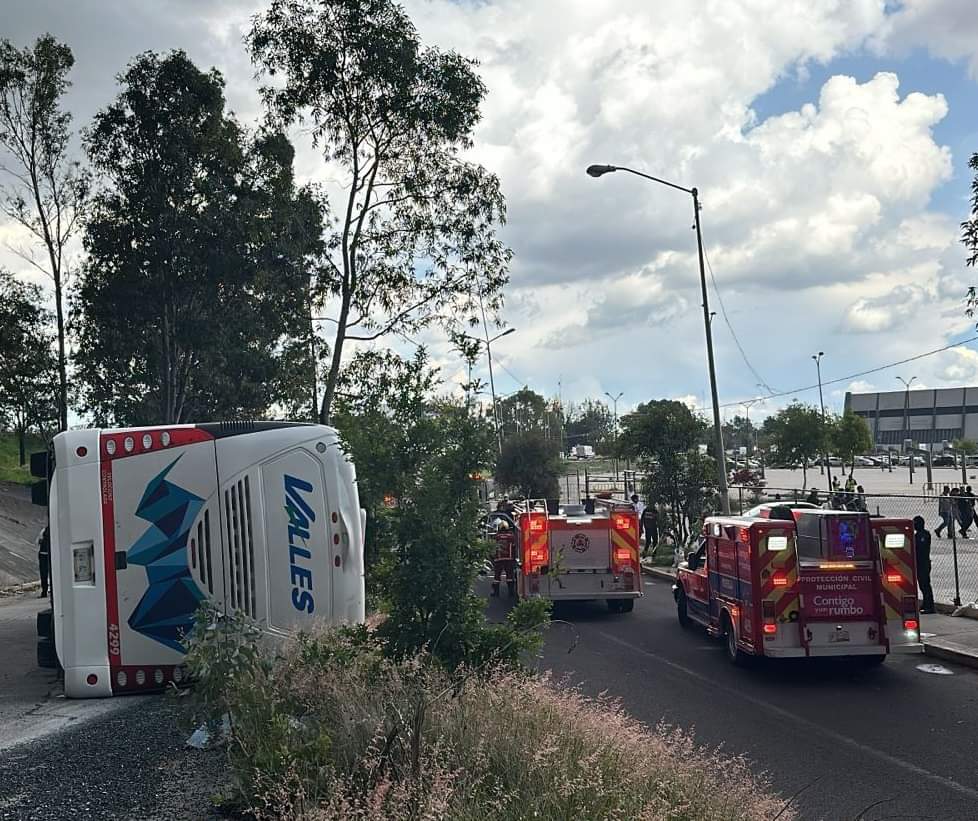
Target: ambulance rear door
[838, 584]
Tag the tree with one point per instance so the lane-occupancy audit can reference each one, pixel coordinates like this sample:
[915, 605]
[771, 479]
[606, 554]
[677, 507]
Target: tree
[663, 437]
[590, 423]
[799, 433]
[850, 436]
[47, 191]
[28, 366]
[528, 466]
[525, 411]
[195, 292]
[416, 453]
[415, 239]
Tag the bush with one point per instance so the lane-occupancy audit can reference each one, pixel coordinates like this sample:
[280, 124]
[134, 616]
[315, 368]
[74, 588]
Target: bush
[334, 729]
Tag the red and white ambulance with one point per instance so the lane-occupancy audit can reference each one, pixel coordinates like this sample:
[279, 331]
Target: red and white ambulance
[823, 583]
[581, 553]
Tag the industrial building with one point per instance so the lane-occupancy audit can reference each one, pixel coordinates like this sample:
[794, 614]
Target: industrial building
[927, 416]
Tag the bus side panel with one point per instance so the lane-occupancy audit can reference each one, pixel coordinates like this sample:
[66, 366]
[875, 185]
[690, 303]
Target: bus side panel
[159, 499]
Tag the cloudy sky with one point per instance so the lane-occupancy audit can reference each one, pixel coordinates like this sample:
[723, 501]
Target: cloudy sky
[829, 140]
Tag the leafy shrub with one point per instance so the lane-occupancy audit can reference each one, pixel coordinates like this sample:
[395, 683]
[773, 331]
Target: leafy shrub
[335, 729]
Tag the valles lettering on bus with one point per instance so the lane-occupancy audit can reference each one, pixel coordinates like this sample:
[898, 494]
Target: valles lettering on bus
[300, 517]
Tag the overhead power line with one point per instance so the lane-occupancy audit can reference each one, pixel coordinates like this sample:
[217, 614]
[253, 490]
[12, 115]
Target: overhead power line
[839, 379]
[723, 310]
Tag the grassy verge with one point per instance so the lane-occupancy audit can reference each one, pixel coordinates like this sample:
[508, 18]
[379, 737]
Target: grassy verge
[331, 729]
[10, 470]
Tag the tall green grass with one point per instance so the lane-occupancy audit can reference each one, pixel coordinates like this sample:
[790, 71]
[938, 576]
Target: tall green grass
[331, 729]
[10, 470]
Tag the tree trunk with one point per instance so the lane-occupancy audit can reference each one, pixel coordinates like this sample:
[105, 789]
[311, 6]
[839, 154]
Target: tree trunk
[62, 357]
[334, 365]
[22, 444]
[804, 474]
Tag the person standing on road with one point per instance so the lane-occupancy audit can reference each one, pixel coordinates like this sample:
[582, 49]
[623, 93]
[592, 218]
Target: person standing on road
[966, 513]
[650, 523]
[44, 559]
[944, 511]
[921, 543]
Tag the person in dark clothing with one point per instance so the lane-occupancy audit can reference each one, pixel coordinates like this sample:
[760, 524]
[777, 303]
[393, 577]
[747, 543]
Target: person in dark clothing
[966, 511]
[944, 510]
[44, 560]
[650, 524]
[813, 498]
[921, 542]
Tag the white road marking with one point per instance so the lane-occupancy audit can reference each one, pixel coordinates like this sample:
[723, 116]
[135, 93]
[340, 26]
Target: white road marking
[935, 669]
[811, 726]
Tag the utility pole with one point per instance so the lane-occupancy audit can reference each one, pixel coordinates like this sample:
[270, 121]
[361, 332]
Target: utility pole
[821, 402]
[906, 419]
[601, 170]
[614, 401]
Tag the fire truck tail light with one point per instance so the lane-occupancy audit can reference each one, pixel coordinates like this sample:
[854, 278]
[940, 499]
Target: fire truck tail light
[623, 555]
[911, 624]
[777, 542]
[623, 523]
[537, 524]
[894, 540]
[894, 578]
[779, 580]
[770, 629]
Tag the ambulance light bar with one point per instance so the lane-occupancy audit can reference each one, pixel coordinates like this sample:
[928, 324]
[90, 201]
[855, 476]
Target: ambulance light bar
[894, 540]
[836, 566]
[777, 542]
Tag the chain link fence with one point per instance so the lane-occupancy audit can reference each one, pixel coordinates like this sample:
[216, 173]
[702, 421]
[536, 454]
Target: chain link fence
[954, 550]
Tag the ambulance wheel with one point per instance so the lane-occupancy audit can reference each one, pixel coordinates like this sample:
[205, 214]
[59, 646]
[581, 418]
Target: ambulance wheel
[734, 653]
[681, 610]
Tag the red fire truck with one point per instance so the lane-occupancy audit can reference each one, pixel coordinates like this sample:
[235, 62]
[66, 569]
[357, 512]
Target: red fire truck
[580, 553]
[822, 583]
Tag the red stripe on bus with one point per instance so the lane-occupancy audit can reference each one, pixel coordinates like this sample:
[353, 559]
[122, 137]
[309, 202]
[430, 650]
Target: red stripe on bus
[113, 635]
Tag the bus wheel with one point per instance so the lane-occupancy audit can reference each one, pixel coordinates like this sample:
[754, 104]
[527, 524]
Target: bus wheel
[47, 657]
[681, 611]
[734, 653]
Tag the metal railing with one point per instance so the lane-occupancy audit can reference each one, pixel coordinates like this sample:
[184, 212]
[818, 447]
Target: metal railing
[954, 549]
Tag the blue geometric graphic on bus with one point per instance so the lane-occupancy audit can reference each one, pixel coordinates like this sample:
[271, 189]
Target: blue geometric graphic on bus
[165, 613]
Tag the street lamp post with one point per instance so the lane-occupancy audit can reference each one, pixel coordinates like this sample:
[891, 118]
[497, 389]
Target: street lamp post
[821, 402]
[601, 170]
[747, 406]
[492, 382]
[614, 402]
[906, 418]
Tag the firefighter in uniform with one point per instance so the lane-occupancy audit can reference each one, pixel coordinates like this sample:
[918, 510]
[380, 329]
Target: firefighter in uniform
[505, 558]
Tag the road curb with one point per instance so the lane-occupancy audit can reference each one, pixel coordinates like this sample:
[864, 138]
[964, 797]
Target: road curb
[951, 651]
[667, 574]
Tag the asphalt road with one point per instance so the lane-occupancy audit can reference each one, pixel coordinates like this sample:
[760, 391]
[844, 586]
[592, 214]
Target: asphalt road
[845, 739]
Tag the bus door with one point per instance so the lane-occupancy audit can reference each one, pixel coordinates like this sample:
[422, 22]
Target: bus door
[162, 547]
[837, 581]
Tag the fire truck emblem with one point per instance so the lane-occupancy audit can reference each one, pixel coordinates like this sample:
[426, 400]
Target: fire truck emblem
[580, 542]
